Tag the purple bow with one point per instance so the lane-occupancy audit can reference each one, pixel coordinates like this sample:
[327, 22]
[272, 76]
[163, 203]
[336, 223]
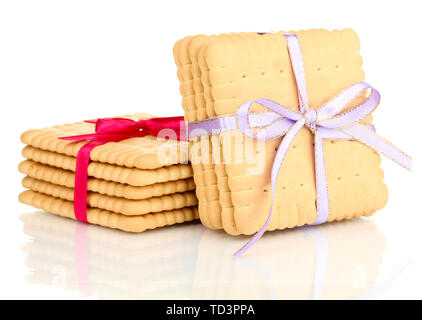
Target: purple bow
[328, 122]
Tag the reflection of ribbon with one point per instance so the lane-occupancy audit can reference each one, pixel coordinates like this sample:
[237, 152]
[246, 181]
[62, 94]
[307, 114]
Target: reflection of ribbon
[328, 122]
[81, 258]
[321, 260]
[114, 130]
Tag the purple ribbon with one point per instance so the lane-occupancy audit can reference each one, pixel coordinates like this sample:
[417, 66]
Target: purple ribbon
[328, 122]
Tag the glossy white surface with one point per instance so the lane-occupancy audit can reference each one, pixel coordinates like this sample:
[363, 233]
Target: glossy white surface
[66, 61]
[343, 260]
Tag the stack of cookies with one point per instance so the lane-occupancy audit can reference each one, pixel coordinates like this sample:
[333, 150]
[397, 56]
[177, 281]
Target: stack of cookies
[136, 184]
[219, 73]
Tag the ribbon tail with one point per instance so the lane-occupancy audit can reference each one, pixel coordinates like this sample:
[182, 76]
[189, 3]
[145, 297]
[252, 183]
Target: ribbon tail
[275, 170]
[372, 140]
[322, 198]
[81, 180]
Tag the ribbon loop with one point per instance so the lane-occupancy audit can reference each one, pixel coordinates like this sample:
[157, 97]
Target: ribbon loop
[117, 125]
[354, 114]
[335, 105]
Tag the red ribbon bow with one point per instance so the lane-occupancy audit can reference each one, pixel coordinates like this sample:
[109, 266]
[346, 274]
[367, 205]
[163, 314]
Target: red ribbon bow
[114, 130]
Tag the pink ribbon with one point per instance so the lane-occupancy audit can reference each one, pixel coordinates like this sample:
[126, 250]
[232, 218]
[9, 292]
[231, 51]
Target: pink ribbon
[114, 130]
[328, 122]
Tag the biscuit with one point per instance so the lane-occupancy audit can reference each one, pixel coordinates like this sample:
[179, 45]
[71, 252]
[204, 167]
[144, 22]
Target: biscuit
[222, 214]
[66, 178]
[147, 152]
[115, 204]
[184, 74]
[239, 70]
[132, 176]
[109, 219]
[185, 54]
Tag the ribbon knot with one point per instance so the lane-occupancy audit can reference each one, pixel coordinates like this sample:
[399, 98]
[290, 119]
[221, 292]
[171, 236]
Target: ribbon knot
[117, 129]
[337, 119]
[310, 118]
[118, 125]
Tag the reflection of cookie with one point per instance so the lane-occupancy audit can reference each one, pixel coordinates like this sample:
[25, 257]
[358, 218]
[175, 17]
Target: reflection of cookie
[348, 276]
[284, 268]
[116, 264]
[115, 204]
[109, 219]
[67, 179]
[330, 261]
[105, 171]
[129, 249]
[239, 70]
[53, 229]
[147, 152]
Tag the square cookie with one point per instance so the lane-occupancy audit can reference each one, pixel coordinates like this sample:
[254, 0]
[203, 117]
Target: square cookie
[240, 70]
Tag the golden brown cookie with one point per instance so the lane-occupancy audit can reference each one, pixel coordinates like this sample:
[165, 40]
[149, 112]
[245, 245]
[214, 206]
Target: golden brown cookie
[239, 70]
[114, 204]
[109, 219]
[66, 178]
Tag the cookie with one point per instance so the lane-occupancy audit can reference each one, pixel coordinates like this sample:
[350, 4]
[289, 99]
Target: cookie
[240, 70]
[147, 152]
[109, 219]
[115, 204]
[212, 156]
[182, 62]
[185, 53]
[184, 73]
[66, 178]
[132, 176]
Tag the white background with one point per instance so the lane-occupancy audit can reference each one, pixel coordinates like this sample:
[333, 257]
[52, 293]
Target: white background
[64, 61]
